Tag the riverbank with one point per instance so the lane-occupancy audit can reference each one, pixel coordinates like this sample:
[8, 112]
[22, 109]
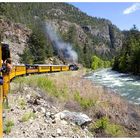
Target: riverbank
[126, 85]
[111, 115]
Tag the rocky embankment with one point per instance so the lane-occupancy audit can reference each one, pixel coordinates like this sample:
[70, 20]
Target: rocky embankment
[70, 107]
[16, 35]
[32, 113]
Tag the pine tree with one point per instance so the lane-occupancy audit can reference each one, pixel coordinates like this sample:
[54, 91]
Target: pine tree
[129, 58]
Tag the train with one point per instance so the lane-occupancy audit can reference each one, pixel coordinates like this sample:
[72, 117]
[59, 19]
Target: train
[26, 69]
[6, 76]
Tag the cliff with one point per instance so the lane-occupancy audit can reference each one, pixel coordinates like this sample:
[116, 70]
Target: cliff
[16, 35]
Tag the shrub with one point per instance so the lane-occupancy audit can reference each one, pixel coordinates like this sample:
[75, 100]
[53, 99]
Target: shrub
[99, 63]
[102, 123]
[27, 116]
[108, 127]
[22, 103]
[8, 126]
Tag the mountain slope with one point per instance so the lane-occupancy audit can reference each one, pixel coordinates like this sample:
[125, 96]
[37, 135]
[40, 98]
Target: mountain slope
[92, 36]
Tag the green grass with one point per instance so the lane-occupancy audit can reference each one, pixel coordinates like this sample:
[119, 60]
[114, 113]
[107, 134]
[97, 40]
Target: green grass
[6, 104]
[45, 84]
[8, 126]
[85, 103]
[109, 128]
[63, 93]
[12, 91]
[27, 116]
[114, 130]
[22, 103]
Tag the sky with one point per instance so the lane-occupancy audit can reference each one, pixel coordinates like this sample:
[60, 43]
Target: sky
[122, 14]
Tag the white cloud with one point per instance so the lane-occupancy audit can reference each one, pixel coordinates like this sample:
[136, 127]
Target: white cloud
[131, 9]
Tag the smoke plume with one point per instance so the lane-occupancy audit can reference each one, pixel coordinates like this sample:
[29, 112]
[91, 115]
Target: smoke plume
[64, 50]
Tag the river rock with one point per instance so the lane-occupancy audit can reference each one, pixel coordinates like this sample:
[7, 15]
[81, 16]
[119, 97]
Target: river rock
[43, 110]
[52, 116]
[53, 121]
[48, 114]
[59, 131]
[63, 122]
[28, 97]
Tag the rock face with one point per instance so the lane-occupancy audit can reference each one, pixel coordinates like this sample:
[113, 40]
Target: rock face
[104, 40]
[16, 35]
[63, 27]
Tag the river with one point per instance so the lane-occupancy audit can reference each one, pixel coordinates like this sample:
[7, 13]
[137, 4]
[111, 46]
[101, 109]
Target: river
[127, 85]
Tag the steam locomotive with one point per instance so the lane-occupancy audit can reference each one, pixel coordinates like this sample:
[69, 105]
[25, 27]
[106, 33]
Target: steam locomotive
[18, 70]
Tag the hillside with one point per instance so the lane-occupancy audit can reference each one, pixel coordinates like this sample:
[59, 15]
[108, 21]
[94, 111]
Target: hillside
[88, 35]
[37, 104]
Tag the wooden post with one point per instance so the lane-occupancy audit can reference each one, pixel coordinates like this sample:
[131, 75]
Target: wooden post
[1, 97]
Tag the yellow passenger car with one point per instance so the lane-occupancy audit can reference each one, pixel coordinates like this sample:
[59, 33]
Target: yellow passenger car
[30, 69]
[55, 68]
[65, 68]
[20, 70]
[44, 68]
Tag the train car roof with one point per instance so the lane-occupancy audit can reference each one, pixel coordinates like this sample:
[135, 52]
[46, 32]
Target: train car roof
[19, 65]
[38, 65]
[47, 65]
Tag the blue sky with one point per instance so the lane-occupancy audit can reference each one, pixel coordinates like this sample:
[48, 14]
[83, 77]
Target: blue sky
[123, 15]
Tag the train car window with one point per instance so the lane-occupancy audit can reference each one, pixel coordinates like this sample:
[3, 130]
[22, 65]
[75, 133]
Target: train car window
[27, 66]
[5, 52]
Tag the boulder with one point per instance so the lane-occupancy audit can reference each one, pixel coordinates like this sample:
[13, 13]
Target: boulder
[75, 117]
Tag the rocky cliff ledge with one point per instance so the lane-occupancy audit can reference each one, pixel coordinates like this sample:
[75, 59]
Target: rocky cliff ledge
[16, 35]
